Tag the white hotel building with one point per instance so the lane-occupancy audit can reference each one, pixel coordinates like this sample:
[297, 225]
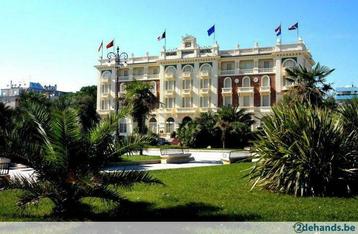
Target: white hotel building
[192, 79]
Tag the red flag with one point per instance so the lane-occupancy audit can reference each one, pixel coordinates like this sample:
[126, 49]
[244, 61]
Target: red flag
[109, 45]
[100, 46]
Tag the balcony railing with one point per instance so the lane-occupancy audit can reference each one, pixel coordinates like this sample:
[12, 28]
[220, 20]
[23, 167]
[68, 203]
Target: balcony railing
[226, 90]
[204, 90]
[265, 69]
[186, 75]
[169, 76]
[186, 92]
[246, 71]
[204, 74]
[169, 92]
[105, 95]
[245, 89]
[186, 110]
[123, 77]
[227, 72]
[153, 76]
[265, 89]
[138, 76]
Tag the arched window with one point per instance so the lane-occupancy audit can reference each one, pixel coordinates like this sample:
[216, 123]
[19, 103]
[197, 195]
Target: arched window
[170, 70]
[187, 68]
[246, 82]
[205, 67]
[265, 81]
[169, 125]
[227, 82]
[153, 125]
[289, 63]
[153, 87]
[106, 75]
[186, 119]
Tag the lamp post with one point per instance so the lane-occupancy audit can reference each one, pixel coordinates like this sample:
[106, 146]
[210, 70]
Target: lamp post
[120, 61]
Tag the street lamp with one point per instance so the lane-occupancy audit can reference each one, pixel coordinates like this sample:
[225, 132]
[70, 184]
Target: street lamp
[120, 61]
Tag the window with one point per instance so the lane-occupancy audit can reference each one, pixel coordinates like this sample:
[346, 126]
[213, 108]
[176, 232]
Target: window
[187, 84]
[153, 125]
[289, 63]
[227, 82]
[187, 102]
[246, 64]
[169, 102]
[170, 85]
[187, 44]
[246, 100]
[265, 100]
[204, 101]
[227, 100]
[246, 82]
[204, 84]
[228, 66]
[169, 125]
[265, 81]
[123, 126]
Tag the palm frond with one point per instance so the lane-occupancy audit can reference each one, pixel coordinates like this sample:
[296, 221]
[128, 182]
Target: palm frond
[127, 178]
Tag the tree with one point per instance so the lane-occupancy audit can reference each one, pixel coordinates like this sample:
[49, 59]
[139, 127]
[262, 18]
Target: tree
[6, 126]
[141, 101]
[68, 164]
[234, 120]
[309, 85]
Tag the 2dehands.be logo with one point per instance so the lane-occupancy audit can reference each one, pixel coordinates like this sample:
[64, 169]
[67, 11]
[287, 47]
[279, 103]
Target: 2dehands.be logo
[313, 227]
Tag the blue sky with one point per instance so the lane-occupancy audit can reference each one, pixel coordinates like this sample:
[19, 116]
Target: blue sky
[56, 41]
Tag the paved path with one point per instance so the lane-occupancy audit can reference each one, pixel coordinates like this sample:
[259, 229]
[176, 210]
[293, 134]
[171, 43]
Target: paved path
[149, 167]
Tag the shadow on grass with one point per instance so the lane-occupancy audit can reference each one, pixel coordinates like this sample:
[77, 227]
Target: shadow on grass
[143, 211]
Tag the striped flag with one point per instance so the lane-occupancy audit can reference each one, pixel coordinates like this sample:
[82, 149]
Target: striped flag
[109, 45]
[278, 30]
[162, 36]
[293, 26]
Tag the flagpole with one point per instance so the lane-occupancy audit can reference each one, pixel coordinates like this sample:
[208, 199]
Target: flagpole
[298, 34]
[102, 50]
[165, 40]
[281, 32]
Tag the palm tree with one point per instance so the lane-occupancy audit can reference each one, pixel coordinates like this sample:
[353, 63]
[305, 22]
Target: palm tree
[6, 125]
[141, 101]
[230, 117]
[310, 84]
[68, 164]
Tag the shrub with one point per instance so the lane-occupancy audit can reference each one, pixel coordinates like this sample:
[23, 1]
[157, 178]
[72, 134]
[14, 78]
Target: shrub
[304, 151]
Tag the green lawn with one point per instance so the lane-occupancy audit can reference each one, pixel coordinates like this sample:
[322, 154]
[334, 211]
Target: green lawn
[207, 193]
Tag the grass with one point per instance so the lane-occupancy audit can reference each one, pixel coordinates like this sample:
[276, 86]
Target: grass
[207, 193]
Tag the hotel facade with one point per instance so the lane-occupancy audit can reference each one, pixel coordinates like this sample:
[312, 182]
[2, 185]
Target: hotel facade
[192, 79]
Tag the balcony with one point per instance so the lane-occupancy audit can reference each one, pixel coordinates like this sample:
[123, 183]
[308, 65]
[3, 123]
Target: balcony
[186, 92]
[204, 74]
[105, 95]
[245, 89]
[227, 72]
[265, 69]
[265, 89]
[226, 90]
[186, 75]
[123, 77]
[169, 76]
[169, 92]
[153, 76]
[204, 91]
[138, 77]
[186, 110]
[246, 71]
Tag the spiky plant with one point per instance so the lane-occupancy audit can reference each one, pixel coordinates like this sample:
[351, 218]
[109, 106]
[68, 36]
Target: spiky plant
[69, 164]
[304, 152]
[310, 84]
